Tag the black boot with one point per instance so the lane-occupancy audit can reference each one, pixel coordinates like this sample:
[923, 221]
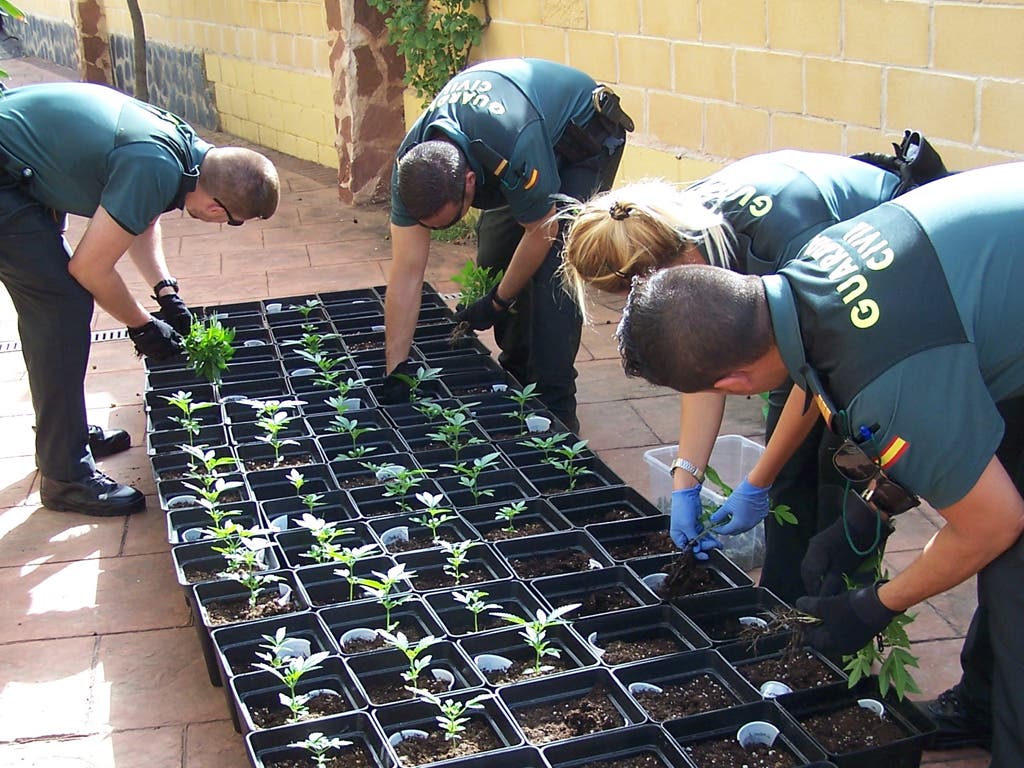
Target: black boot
[958, 725]
[96, 495]
[107, 442]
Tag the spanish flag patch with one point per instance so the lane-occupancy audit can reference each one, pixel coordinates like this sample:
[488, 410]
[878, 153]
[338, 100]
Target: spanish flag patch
[892, 452]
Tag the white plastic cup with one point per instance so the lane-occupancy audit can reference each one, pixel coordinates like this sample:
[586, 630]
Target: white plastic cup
[536, 423]
[756, 732]
[772, 688]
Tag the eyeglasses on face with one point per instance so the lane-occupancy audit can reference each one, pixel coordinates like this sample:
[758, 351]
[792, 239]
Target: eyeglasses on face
[232, 221]
[885, 493]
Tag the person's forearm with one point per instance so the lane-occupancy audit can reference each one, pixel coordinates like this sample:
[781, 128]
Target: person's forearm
[147, 254]
[700, 418]
[793, 427]
[409, 250]
[529, 255]
[111, 293]
[979, 528]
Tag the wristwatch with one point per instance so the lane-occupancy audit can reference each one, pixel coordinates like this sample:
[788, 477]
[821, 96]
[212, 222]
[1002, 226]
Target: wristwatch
[687, 466]
[168, 283]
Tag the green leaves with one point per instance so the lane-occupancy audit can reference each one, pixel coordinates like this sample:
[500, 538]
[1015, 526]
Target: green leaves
[476, 282]
[208, 346]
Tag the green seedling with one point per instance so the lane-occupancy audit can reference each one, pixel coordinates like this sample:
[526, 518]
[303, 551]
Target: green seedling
[204, 465]
[401, 482]
[273, 419]
[475, 282]
[469, 474]
[208, 347]
[566, 458]
[434, 515]
[508, 514]
[456, 555]
[546, 445]
[453, 717]
[413, 653]
[306, 307]
[534, 631]
[474, 601]
[187, 418]
[521, 397]
[319, 745]
[454, 432]
[383, 587]
[343, 425]
[349, 557]
[278, 659]
[246, 564]
[416, 381]
[323, 549]
[310, 500]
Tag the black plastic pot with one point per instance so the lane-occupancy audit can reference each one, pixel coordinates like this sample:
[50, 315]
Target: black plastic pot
[626, 540]
[367, 418]
[187, 525]
[550, 480]
[601, 505]
[379, 442]
[350, 474]
[410, 415]
[295, 543]
[437, 458]
[724, 616]
[744, 655]
[174, 379]
[249, 431]
[667, 671]
[596, 590]
[259, 690]
[419, 438]
[175, 494]
[495, 486]
[305, 449]
[482, 564]
[418, 536]
[511, 596]
[384, 668]
[171, 440]
[552, 546]
[413, 617]
[374, 501]
[322, 587]
[573, 652]
[269, 484]
[269, 747]
[722, 724]
[273, 388]
[202, 556]
[723, 573]
[439, 351]
[260, 370]
[907, 716]
[175, 465]
[316, 402]
[283, 514]
[647, 742]
[558, 689]
[539, 517]
[659, 623]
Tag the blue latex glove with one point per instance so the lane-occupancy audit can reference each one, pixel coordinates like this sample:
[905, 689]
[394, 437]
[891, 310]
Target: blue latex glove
[685, 522]
[745, 508]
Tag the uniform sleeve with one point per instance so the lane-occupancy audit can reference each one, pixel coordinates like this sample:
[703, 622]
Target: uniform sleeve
[533, 180]
[142, 182]
[938, 424]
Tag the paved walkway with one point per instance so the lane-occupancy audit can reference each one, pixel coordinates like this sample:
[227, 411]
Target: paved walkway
[99, 663]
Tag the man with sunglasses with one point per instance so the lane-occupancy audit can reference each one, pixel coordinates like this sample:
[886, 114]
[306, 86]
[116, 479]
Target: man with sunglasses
[89, 150]
[901, 328]
[514, 138]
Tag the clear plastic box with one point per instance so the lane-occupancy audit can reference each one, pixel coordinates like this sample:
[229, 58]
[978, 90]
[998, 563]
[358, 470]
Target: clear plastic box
[732, 457]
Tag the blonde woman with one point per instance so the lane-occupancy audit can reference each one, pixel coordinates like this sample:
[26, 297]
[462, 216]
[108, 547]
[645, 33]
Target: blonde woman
[752, 217]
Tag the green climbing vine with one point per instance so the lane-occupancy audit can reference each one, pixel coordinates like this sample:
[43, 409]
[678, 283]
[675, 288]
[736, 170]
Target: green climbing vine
[434, 36]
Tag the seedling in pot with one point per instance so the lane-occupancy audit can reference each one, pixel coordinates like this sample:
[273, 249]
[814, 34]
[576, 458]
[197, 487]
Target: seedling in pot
[456, 555]
[434, 515]
[310, 500]
[521, 397]
[412, 651]
[208, 347]
[415, 382]
[398, 484]
[453, 717]
[282, 661]
[469, 474]
[566, 459]
[546, 445]
[509, 512]
[306, 307]
[475, 282]
[474, 601]
[311, 343]
[204, 465]
[319, 745]
[430, 410]
[383, 587]
[343, 425]
[245, 566]
[453, 432]
[187, 419]
[273, 419]
[349, 557]
[534, 631]
[323, 550]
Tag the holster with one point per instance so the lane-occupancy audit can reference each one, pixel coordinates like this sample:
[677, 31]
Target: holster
[918, 161]
[604, 131]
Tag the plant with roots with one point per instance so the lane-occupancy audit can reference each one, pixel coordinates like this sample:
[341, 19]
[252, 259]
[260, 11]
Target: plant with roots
[456, 556]
[509, 513]
[475, 282]
[319, 745]
[454, 431]
[323, 549]
[566, 458]
[187, 418]
[521, 397]
[534, 631]
[208, 347]
[280, 659]
[350, 557]
[413, 652]
[309, 500]
[469, 474]
[474, 601]
[417, 380]
[383, 588]
[453, 717]
[399, 483]
[433, 515]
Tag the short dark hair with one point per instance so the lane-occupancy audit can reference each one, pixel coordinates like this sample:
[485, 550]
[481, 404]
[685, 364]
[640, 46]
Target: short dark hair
[430, 176]
[687, 327]
[244, 179]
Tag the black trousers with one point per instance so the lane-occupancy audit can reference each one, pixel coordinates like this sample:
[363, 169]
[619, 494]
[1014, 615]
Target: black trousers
[54, 315]
[540, 337]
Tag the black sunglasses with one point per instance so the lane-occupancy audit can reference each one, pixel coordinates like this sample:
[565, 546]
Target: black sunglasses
[885, 493]
[232, 221]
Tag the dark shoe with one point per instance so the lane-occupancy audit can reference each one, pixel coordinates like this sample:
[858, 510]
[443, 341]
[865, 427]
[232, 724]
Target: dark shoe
[96, 495]
[958, 727]
[107, 442]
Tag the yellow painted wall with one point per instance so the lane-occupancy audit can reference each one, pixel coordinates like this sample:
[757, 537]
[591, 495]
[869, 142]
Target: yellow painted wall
[707, 81]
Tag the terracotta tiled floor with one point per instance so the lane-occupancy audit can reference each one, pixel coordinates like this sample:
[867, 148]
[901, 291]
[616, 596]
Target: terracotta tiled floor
[99, 663]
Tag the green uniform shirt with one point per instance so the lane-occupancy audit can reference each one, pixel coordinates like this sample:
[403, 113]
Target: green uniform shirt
[518, 108]
[88, 145]
[776, 202]
[910, 316]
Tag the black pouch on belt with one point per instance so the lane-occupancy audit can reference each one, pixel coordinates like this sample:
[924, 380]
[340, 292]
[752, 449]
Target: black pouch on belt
[577, 144]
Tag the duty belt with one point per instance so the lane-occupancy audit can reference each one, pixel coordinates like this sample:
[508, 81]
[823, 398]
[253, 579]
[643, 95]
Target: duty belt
[606, 103]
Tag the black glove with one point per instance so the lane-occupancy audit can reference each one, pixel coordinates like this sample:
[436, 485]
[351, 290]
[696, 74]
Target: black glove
[915, 161]
[848, 621]
[157, 340]
[174, 311]
[393, 389]
[481, 314]
[829, 554]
